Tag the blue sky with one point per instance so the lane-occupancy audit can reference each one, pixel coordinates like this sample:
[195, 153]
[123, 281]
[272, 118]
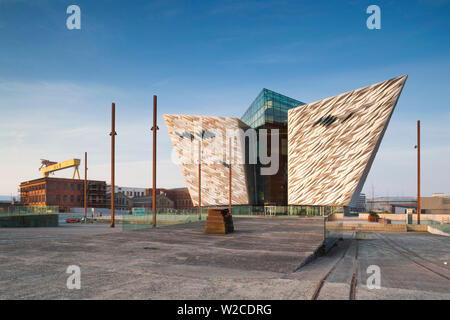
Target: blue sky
[212, 58]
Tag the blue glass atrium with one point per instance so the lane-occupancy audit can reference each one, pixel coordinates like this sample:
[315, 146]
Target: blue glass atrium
[269, 107]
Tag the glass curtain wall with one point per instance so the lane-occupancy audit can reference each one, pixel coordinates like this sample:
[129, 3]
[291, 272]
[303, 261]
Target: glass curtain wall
[269, 106]
[269, 111]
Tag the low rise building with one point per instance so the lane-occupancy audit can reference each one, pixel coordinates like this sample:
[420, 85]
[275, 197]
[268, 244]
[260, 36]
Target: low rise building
[65, 193]
[360, 204]
[389, 204]
[436, 204]
[404, 207]
[180, 197]
[130, 192]
[121, 201]
[162, 202]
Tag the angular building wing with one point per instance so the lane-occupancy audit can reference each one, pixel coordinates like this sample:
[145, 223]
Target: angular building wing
[208, 139]
[332, 143]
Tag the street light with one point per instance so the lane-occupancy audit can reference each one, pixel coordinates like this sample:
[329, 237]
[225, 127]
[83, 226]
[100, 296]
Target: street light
[112, 134]
[228, 165]
[203, 135]
[154, 129]
[418, 171]
[85, 185]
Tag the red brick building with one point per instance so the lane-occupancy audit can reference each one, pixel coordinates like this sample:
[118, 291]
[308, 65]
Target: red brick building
[65, 193]
[180, 196]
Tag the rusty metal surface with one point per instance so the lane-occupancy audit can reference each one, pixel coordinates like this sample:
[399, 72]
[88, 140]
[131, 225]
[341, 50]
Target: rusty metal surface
[200, 183]
[113, 135]
[85, 184]
[418, 172]
[230, 190]
[154, 129]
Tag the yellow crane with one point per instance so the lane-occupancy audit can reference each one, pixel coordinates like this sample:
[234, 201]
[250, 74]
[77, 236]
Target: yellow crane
[48, 167]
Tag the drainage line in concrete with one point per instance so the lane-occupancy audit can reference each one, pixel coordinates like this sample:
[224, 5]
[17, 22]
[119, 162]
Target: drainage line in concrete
[352, 295]
[322, 280]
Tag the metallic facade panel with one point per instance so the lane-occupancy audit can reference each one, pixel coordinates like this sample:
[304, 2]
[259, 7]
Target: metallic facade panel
[185, 133]
[332, 143]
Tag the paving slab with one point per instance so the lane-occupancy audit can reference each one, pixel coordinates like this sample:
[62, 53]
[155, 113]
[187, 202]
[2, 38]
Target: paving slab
[177, 262]
[412, 266]
[255, 262]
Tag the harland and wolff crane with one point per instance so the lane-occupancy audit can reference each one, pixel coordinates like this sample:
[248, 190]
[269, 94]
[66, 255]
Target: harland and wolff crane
[48, 167]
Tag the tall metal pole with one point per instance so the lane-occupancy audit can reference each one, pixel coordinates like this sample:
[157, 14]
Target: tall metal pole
[154, 129]
[85, 184]
[418, 172]
[229, 182]
[200, 180]
[113, 135]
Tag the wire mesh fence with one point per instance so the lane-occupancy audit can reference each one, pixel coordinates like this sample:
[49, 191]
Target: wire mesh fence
[142, 218]
[277, 210]
[28, 210]
[28, 216]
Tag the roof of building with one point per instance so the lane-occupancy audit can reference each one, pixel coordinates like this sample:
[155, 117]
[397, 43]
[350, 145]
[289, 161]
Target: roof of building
[269, 106]
[57, 179]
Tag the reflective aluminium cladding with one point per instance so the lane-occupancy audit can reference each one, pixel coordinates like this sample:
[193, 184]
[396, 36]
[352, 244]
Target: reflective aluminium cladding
[269, 107]
[203, 137]
[333, 142]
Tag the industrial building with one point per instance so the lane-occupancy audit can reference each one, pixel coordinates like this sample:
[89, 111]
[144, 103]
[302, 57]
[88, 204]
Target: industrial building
[392, 204]
[180, 197]
[65, 193]
[438, 203]
[69, 193]
[361, 204]
[121, 201]
[128, 197]
[130, 192]
[325, 151]
[162, 202]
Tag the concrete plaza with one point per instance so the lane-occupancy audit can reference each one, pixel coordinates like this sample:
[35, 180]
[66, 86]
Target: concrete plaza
[260, 260]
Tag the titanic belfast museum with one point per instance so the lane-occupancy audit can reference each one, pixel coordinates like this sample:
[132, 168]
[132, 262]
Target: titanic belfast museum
[284, 152]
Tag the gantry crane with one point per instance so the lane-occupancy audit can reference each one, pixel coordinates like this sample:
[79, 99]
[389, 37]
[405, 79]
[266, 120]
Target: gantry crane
[48, 167]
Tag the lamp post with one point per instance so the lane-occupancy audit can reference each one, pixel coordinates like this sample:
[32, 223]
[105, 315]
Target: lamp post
[200, 180]
[113, 135]
[228, 165]
[418, 172]
[203, 135]
[85, 184]
[154, 129]
[229, 182]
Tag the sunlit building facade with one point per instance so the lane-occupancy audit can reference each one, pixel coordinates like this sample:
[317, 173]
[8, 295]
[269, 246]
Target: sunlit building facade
[325, 149]
[270, 111]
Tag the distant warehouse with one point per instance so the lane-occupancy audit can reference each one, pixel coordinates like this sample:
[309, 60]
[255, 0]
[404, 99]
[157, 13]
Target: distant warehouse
[438, 203]
[180, 197]
[65, 193]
